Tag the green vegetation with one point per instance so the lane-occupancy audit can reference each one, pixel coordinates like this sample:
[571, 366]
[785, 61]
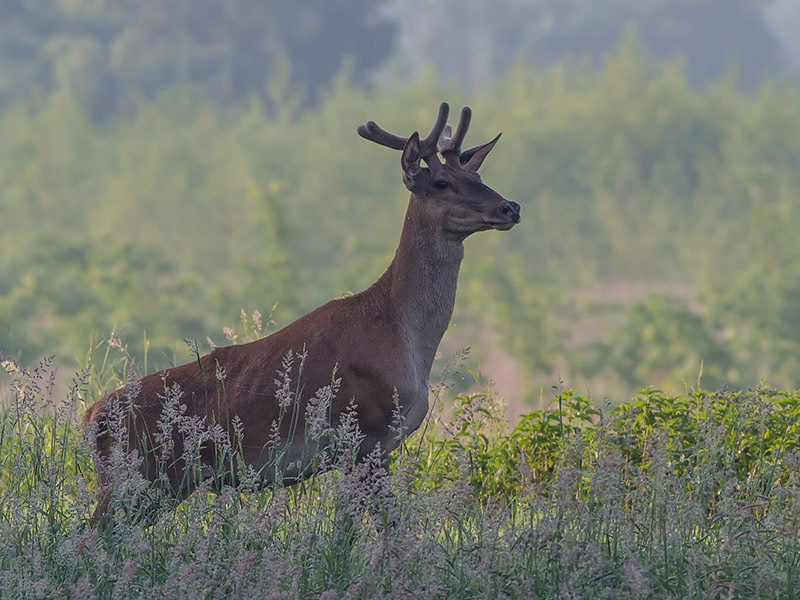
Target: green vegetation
[110, 54]
[659, 223]
[658, 247]
[690, 496]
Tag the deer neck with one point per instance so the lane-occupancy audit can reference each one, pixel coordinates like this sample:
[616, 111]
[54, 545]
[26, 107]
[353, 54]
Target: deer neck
[421, 284]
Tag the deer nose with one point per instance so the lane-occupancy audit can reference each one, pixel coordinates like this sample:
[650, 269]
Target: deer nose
[511, 209]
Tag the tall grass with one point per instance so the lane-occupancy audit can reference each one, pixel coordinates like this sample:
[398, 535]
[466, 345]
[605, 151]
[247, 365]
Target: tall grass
[694, 496]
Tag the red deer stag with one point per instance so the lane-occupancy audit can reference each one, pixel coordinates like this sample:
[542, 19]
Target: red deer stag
[380, 343]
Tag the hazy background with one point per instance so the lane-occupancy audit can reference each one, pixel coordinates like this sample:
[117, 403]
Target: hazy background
[167, 163]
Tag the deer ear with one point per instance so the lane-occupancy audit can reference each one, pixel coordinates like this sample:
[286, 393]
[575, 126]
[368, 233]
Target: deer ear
[410, 160]
[472, 159]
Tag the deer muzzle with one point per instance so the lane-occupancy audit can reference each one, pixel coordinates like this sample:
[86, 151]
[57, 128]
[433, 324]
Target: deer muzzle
[511, 210]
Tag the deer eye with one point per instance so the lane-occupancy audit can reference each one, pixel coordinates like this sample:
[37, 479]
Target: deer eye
[442, 185]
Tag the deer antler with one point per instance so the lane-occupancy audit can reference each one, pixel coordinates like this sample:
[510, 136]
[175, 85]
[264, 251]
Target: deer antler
[450, 147]
[441, 140]
[429, 146]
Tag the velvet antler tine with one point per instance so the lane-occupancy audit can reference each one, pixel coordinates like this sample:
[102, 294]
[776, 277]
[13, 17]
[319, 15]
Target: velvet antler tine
[372, 131]
[451, 143]
[463, 126]
[429, 143]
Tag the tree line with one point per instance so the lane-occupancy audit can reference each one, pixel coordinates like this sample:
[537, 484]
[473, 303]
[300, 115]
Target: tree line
[659, 222]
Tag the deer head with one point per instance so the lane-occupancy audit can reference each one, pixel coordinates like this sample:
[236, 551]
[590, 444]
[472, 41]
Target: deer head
[449, 190]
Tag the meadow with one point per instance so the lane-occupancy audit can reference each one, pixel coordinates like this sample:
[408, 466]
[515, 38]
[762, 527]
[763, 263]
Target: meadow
[687, 496]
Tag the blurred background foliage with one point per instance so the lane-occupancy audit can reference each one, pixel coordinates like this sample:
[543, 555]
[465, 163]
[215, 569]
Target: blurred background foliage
[165, 164]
